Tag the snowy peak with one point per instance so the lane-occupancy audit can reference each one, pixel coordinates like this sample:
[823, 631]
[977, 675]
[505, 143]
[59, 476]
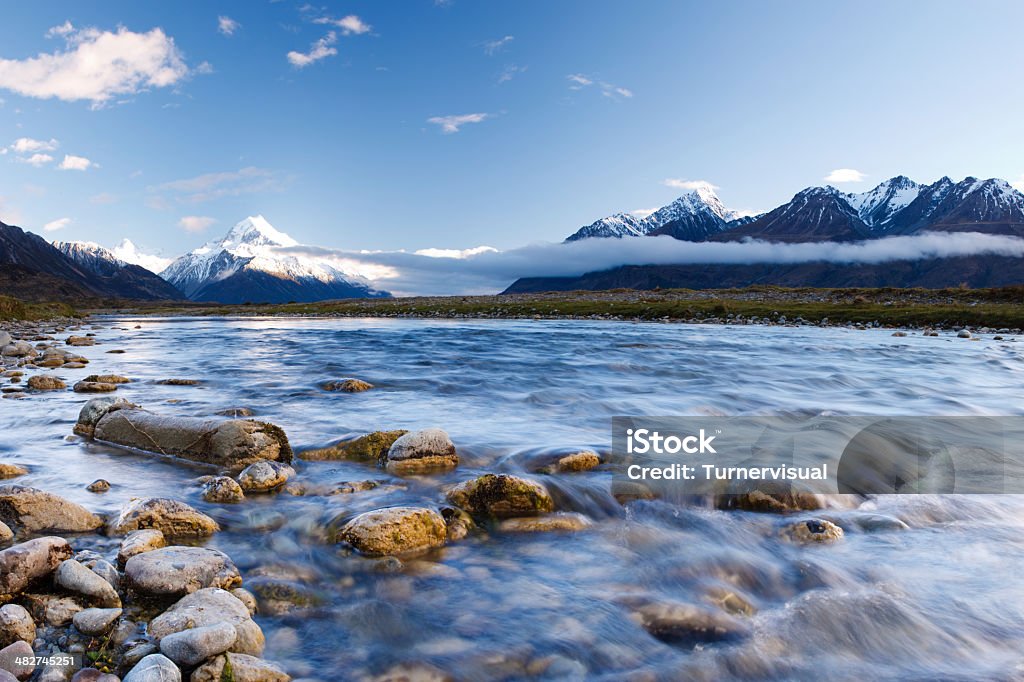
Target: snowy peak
[879, 206]
[256, 231]
[90, 255]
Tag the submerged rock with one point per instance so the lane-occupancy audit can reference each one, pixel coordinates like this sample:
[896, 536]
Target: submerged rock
[98, 486]
[240, 668]
[573, 463]
[264, 477]
[279, 596]
[395, 530]
[11, 470]
[138, 542]
[812, 530]
[373, 447]
[770, 497]
[154, 668]
[231, 443]
[34, 511]
[25, 563]
[223, 490]
[348, 385]
[686, 624]
[179, 382]
[177, 571]
[560, 521]
[420, 452]
[206, 607]
[501, 496]
[172, 518]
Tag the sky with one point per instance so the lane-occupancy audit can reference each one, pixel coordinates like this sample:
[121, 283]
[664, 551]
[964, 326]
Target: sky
[453, 124]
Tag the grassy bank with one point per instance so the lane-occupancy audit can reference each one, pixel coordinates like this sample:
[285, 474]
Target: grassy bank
[997, 308]
[13, 309]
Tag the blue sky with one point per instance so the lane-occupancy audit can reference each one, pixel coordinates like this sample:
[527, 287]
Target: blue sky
[408, 125]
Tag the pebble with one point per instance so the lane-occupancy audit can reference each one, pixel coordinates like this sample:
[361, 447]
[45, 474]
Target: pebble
[95, 622]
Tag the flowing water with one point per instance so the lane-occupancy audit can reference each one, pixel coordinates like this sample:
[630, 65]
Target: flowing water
[942, 598]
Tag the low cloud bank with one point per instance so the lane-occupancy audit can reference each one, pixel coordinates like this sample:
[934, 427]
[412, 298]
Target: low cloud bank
[483, 270]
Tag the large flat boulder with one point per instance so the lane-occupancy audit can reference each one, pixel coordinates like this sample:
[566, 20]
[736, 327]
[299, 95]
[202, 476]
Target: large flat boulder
[34, 511]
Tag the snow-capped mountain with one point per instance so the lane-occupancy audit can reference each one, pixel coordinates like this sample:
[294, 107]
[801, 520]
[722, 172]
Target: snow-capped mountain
[91, 256]
[128, 252]
[249, 265]
[692, 217]
[110, 274]
[878, 207]
[814, 214]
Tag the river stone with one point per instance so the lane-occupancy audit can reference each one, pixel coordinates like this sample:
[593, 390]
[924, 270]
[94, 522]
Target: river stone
[264, 477]
[278, 596]
[576, 462]
[138, 542]
[687, 624]
[778, 499]
[98, 486]
[81, 341]
[560, 521]
[94, 387]
[34, 511]
[6, 534]
[231, 443]
[11, 470]
[242, 669]
[348, 385]
[812, 530]
[171, 517]
[90, 675]
[16, 624]
[108, 379]
[208, 607]
[176, 571]
[19, 349]
[179, 382]
[96, 409]
[52, 609]
[40, 382]
[12, 653]
[74, 577]
[501, 496]
[372, 447]
[395, 530]
[154, 668]
[23, 564]
[223, 489]
[422, 451]
[95, 622]
[247, 598]
[189, 648]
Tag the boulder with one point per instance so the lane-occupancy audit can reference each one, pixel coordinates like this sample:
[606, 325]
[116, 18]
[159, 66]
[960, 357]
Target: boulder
[34, 511]
[154, 668]
[348, 385]
[138, 542]
[373, 447]
[501, 496]
[210, 606]
[229, 443]
[6, 534]
[96, 409]
[16, 624]
[13, 660]
[41, 382]
[395, 530]
[74, 577]
[172, 572]
[191, 647]
[108, 379]
[172, 518]
[420, 452]
[264, 476]
[11, 470]
[223, 489]
[94, 387]
[95, 622]
[240, 668]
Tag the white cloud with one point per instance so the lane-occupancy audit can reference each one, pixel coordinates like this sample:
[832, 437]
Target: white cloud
[643, 212]
[452, 124]
[210, 186]
[321, 49]
[72, 162]
[455, 253]
[195, 223]
[579, 81]
[845, 175]
[509, 72]
[350, 25]
[129, 253]
[689, 185]
[97, 66]
[26, 145]
[490, 271]
[493, 46]
[60, 31]
[37, 160]
[55, 225]
[227, 26]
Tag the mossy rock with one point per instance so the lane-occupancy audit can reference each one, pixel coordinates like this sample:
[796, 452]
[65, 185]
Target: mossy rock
[395, 531]
[501, 496]
[373, 447]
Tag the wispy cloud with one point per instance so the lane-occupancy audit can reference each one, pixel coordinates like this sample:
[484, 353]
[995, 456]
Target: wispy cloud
[27, 145]
[321, 49]
[845, 175]
[350, 25]
[97, 66]
[689, 185]
[452, 124]
[227, 26]
[509, 72]
[210, 186]
[37, 160]
[55, 225]
[492, 47]
[195, 223]
[643, 212]
[78, 163]
[103, 199]
[579, 81]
